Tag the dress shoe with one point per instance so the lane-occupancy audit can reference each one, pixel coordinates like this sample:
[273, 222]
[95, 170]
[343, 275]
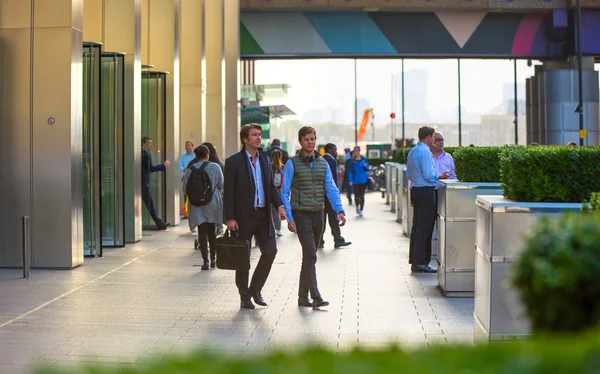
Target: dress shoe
[317, 303]
[304, 301]
[321, 245]
[422, 269]
[257, 298]
[341, 244]
[213, 264]
[164, 227]
[205, 265]
[247, 304]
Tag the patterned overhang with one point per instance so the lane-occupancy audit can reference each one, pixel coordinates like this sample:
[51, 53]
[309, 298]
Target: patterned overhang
[415, 34]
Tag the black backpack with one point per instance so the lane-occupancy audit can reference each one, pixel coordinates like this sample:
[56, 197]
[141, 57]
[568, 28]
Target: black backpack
[199, 188]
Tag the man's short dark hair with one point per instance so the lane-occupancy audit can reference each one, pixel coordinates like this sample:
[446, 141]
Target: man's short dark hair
[425, 131]
[201, 152]
[305, 131]
[245, 131]
[276, 143]
[145, 139]
[329, 147]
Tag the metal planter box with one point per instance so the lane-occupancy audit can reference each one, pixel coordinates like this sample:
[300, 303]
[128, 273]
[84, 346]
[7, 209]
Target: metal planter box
[456, 234]
[500, 225]
[398, 191]
[388, 182]
[407, 210]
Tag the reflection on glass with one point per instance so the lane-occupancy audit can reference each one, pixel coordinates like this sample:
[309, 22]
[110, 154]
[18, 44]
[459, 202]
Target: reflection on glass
[153, 126]
[111, 132]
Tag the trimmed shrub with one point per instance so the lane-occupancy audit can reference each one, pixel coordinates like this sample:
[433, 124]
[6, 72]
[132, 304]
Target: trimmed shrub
[477, 164]
[549, 173]
[593, 204]
[556, 274]
[551, 356]
[451, 150]
[401, 154]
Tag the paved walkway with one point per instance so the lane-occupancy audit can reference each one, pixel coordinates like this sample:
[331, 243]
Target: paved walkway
[151, 299]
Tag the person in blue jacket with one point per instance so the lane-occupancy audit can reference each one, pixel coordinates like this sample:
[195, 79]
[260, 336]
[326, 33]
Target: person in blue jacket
[358, 177]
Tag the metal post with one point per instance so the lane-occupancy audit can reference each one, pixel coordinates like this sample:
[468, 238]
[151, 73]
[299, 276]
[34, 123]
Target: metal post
[459, 109]
[516, 107]
[403, 134]
[580, 68]
[355, 108]
[25, 233]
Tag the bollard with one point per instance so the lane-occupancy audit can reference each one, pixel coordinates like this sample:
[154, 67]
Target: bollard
[25, 232]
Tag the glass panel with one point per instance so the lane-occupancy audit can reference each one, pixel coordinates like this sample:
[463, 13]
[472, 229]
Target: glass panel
[153, 126]
[113, 229]
[524, 71]
[90, 128]
[487, 102]
[431, 98]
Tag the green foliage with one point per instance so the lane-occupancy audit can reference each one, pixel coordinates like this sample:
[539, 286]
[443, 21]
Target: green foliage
[556, 274]
[377, 161]
[451, 150]
[401, 154]
[552, 356]
[477, 164]
[549, 173]
[593, 204]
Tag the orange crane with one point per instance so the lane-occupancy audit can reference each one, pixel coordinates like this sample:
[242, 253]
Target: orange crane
[365, 121]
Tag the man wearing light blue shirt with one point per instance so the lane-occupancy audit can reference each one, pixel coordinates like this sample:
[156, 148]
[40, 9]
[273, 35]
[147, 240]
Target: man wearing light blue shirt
[420, 170]
[184, 160]
[307, 181]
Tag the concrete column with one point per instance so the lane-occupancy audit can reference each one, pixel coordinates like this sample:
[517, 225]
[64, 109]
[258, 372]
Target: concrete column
[40, 123]
[162, 44]
[191, 72]
[231, 78]
[117, 24]
[213, 129]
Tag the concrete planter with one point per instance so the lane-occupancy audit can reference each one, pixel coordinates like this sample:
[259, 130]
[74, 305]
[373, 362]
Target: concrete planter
[500, 225]
[399, 192]
[456, 234]
[407, 210]
[388, 182]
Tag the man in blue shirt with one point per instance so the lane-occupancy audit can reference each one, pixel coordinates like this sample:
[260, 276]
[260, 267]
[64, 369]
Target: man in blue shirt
[184, 160]
[420, 170]
[307, 182]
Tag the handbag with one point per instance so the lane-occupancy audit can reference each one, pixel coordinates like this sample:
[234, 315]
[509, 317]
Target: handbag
[233, 252]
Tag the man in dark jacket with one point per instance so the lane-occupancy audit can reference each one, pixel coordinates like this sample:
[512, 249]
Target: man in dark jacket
[147, 168]
[249, 192]
[330, 214]
[276, 144]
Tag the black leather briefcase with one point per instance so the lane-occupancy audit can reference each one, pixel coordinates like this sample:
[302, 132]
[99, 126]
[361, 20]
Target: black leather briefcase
[233, 252]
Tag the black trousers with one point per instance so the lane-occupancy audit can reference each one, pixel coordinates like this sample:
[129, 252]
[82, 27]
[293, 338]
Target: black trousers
[331, 216]
[268, 249]
[206, 235]
[359, 194]
[309, 227]
[147, 199]
[425, 210]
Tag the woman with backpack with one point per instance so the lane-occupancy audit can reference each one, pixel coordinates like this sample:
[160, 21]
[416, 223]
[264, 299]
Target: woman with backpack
[203, 185]
[277, 170]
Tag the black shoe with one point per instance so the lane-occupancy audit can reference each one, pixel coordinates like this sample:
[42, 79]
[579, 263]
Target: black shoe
[164, 227]
[257, 298]
[341, 244]
[321, 245]
[422, 269]
[317, 303]
[247, 304]
[304, 301]
[213, 264]
[350, 202]
[205, 266]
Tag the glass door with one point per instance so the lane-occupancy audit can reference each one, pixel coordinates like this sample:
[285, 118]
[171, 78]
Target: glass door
[90, 146]
[111, 146]
[154, 126]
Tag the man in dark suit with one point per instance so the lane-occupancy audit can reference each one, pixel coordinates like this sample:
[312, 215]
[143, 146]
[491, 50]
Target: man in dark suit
[147, 168]
[249, 192]
[276, 144]
[338, 241]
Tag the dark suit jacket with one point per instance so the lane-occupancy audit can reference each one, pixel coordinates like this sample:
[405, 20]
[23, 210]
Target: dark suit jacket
[239, 191]
[148, 167]
[285, 156]
[333, 165]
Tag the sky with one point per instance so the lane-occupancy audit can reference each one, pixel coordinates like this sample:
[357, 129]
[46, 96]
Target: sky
[432, 85]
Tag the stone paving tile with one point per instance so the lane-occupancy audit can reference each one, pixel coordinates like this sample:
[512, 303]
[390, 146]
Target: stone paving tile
[150, 299]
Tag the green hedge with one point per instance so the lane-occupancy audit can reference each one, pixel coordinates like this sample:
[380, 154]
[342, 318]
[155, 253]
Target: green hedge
[451, 150]
[556, 274]
[553, 356]
[400, 155]
[477, 164]
[550, 173]
[592, 204]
